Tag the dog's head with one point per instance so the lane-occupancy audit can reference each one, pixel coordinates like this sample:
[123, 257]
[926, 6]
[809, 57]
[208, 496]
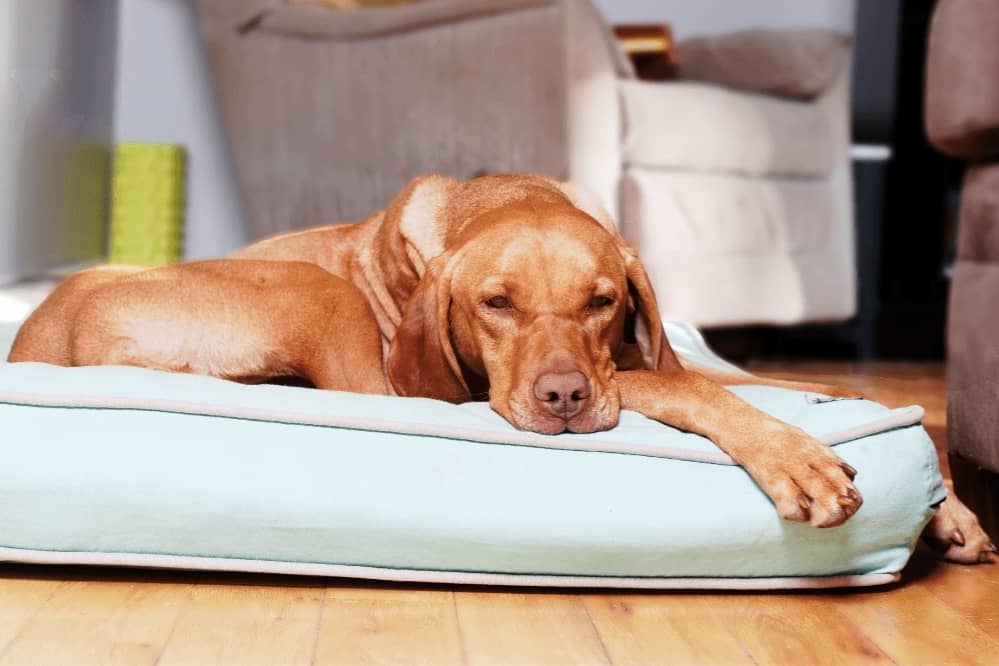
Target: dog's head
[538, 301]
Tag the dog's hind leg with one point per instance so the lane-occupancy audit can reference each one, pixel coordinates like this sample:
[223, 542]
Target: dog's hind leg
[347, 354]
[46, 336]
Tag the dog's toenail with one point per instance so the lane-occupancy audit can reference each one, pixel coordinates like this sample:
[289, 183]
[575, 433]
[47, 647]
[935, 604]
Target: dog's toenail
[848, 470]
[804, 501]
[992, 547]
[957, 537]
[985, 558]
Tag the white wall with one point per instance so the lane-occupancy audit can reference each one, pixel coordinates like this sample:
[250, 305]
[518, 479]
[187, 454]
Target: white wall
[698, 17]
[56, 70]
[164, 94]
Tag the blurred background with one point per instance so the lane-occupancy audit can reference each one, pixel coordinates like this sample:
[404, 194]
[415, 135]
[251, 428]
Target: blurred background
[767, 158]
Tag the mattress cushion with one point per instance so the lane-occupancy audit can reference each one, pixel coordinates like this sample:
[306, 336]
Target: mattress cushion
[119, 465]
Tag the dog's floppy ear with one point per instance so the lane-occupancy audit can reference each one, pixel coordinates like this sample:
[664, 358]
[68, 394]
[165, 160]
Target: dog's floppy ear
[647, 322]
[417, 213]
[421, 361]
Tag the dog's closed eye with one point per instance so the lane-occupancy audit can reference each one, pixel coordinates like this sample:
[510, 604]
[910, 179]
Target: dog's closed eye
[498, 303]
[600, 302]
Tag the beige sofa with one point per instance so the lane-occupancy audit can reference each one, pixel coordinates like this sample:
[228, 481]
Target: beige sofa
[739, 201]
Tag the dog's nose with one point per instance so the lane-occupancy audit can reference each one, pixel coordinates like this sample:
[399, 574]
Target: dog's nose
[562, 393]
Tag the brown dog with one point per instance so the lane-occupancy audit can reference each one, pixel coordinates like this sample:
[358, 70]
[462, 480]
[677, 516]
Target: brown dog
[513, 287]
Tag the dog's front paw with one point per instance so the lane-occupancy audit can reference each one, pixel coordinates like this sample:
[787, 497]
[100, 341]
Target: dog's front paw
[806, 480]
[955, 532]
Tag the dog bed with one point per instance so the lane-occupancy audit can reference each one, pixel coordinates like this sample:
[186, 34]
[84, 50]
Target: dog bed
[132, 467]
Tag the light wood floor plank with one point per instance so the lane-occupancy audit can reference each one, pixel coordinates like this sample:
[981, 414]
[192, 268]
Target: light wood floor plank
[20, 600]
[100, 622]
[388, 626]
[246, 624]
[971, 591]
[791, 629]
[653, 629]
[536, 628]
[912, 626]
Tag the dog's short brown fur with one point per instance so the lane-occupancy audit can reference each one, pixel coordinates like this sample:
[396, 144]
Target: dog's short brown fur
[514, 287]
[249, 321]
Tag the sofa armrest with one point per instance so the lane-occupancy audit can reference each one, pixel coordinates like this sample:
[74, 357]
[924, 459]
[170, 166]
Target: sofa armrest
[322, 22]
[962, 98]
[799, 63]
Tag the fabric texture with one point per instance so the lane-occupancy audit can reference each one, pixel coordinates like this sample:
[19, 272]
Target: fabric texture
[327, 130]
[325, 22]
[706, 127]
[973, 363]
[962, 119]
[962, 78]
[766, 250]
[121, 483]
[397, 575]
[799, 62]
[593, 106]
[727, 238]
[972, 343]
[978, 240]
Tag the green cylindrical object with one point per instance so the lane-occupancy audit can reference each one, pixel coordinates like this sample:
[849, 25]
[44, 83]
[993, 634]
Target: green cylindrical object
[147, 207]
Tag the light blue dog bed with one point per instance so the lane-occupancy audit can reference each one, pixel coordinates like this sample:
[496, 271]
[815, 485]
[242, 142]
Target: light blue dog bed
[125, 466]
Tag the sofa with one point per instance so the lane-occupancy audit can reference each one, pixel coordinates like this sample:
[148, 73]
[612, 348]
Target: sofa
[962, 120]
[733, 182]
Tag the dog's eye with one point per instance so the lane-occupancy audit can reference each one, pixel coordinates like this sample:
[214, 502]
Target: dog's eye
[598, 302]
[498, 302]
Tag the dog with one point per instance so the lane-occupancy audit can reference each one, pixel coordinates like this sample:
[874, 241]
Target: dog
[513, 288]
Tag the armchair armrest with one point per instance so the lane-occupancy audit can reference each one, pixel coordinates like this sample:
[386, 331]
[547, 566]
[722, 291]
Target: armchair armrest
[800, 63]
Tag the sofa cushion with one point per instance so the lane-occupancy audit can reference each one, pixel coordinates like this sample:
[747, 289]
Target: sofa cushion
[962, 88]
[683, 125]
[973, 363]
[769, 251]
[978, 239]
[798, 62]
[972, 343]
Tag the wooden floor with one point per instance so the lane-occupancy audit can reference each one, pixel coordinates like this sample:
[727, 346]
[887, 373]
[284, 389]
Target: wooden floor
[940, 614]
